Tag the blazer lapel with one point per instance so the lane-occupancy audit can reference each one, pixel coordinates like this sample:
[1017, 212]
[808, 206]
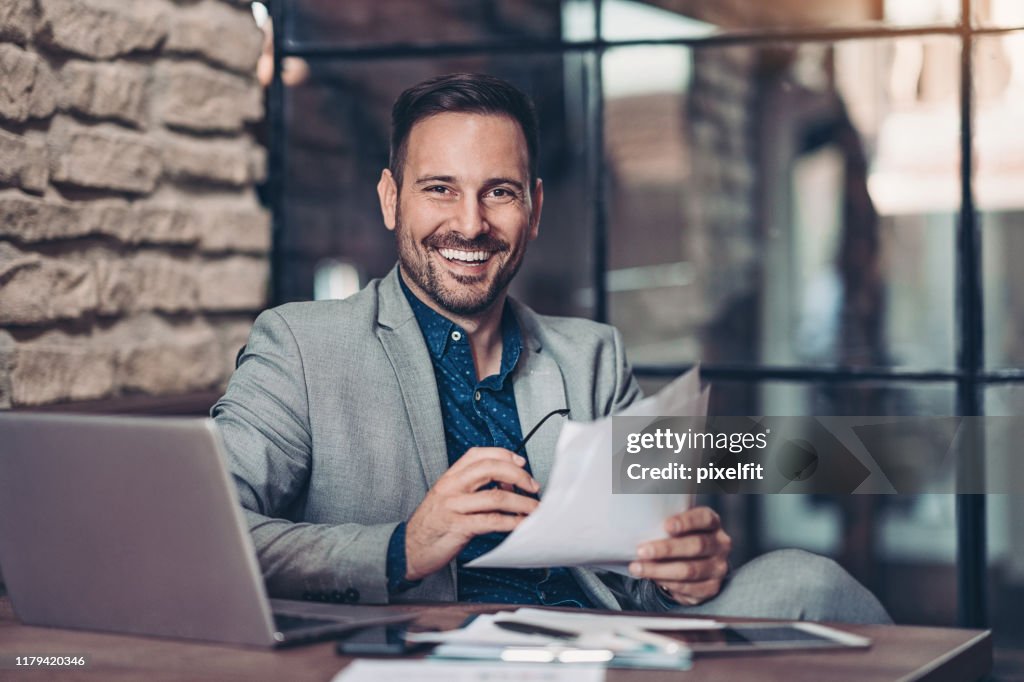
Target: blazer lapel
[539, 390]
[403, 343]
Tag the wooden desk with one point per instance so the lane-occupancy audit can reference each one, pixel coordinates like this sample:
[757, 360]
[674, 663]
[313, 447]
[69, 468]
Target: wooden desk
[898, 653]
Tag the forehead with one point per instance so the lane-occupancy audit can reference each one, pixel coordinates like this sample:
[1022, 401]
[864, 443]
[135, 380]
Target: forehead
[459, 144]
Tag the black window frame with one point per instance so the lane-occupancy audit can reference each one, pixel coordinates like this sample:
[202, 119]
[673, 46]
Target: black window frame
[970, 375]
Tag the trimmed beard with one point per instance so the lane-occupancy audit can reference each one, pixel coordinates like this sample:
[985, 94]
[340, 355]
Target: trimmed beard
[462, 302]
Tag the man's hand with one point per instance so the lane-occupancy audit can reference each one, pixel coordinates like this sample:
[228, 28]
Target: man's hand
[688, 566]
[456, 509]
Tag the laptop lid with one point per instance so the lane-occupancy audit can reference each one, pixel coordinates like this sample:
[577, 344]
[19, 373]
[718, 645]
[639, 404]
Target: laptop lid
[127, 524]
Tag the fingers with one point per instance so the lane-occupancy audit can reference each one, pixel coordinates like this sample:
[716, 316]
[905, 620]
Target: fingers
[697, 519]
[692, 593]
[474, 455]
[480, 466]
[493, 500]
[481, 524]
[455, 509]
[692, 546]
[691, 571]
[482, 473]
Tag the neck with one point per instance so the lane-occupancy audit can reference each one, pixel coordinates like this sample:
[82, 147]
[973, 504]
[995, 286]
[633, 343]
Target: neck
[483, 328]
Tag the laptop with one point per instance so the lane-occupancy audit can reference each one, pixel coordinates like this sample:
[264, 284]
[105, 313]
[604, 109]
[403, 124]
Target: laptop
[133, 525]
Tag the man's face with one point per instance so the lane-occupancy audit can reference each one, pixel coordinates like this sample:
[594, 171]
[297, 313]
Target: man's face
[465, 211]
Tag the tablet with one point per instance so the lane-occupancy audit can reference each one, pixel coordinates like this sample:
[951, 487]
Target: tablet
[764, 637]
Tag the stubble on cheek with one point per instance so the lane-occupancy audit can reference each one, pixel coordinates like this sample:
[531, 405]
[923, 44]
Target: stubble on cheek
[421, 262]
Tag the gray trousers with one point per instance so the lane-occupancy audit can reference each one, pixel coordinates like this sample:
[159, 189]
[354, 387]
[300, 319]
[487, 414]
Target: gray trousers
[791, 584]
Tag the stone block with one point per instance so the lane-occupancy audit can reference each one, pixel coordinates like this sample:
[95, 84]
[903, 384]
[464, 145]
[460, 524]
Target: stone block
[105, 91]
[102, 29]
[224, 162]
[177, 361]
[23, 162]
[35, 289]
[7, 354]
[217, 32]
[239, 230]
[17, 20]
[12, 158]
[144, 282]
[28, 88]
[35, 173]
[234, 284]
[110, 217]
[196, 97]
[159, 224]
[103, 157]
[30, 219]
[56, 371]
[257, 164]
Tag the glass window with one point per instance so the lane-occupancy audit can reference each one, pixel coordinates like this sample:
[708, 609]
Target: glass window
[767, 203]
[338, 127]
[998, 13]
[784, 204]
[998, 179]
[375, 23]
[733, 397]
[636, 20]
[920, 12]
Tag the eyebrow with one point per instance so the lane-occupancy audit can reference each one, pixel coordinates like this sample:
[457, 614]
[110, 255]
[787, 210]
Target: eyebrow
[490, 182]
[434, 178]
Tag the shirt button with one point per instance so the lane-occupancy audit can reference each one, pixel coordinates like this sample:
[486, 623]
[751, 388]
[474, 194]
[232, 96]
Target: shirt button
[476, 396]
[456, 336]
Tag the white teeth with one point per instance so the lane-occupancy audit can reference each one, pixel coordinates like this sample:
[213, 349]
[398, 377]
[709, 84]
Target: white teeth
[465, 256]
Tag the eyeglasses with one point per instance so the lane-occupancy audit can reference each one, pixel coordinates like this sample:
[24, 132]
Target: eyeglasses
[564, 412]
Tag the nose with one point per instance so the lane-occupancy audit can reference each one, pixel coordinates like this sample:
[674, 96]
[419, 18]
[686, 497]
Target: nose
[470, 220]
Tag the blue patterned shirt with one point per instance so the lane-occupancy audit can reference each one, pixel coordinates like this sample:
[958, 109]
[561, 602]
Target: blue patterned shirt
[479, 414]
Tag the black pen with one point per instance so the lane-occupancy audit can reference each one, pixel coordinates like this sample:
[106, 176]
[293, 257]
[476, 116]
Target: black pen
[530, 629]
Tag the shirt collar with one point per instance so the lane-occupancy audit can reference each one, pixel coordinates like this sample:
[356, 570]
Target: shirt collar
[437, 330]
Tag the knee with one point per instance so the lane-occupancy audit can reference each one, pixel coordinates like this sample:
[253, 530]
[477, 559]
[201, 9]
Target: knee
[822, 590]
[793, 584]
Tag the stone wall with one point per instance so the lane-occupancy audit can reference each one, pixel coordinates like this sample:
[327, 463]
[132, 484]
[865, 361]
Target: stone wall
[133, 250]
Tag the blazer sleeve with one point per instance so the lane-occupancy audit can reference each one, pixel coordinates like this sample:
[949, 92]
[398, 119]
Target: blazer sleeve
[264, 421]
[627, 390]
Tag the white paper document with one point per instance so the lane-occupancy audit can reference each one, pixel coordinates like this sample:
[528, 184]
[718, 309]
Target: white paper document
[465, 671]
[579, 522]
[591, 627]
[584, 621]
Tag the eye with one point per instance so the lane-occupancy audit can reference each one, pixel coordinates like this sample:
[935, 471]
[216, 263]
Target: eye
[502, 194]
[439, 190]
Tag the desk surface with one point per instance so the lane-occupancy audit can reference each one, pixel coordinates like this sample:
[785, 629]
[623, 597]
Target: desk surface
[898, 652]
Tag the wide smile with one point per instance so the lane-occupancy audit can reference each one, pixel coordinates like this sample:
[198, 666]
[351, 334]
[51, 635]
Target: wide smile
[474, 260]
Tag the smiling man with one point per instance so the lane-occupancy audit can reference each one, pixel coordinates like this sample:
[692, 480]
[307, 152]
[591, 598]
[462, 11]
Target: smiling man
[374, 440]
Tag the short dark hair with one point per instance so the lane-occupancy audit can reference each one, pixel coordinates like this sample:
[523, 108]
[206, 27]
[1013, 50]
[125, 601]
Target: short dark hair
[464, 93]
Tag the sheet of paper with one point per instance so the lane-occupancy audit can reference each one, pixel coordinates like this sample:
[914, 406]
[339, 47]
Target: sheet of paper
[465, 671]
[579, 522]
[483, 631]
[584, 621]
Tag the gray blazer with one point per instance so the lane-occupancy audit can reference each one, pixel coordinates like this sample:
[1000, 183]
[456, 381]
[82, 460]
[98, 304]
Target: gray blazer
[334, 434]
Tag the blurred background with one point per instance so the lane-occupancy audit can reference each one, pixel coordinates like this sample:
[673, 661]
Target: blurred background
[819, 202]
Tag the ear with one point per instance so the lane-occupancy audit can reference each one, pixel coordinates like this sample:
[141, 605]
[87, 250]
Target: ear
[538, 203]
[387, 192]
